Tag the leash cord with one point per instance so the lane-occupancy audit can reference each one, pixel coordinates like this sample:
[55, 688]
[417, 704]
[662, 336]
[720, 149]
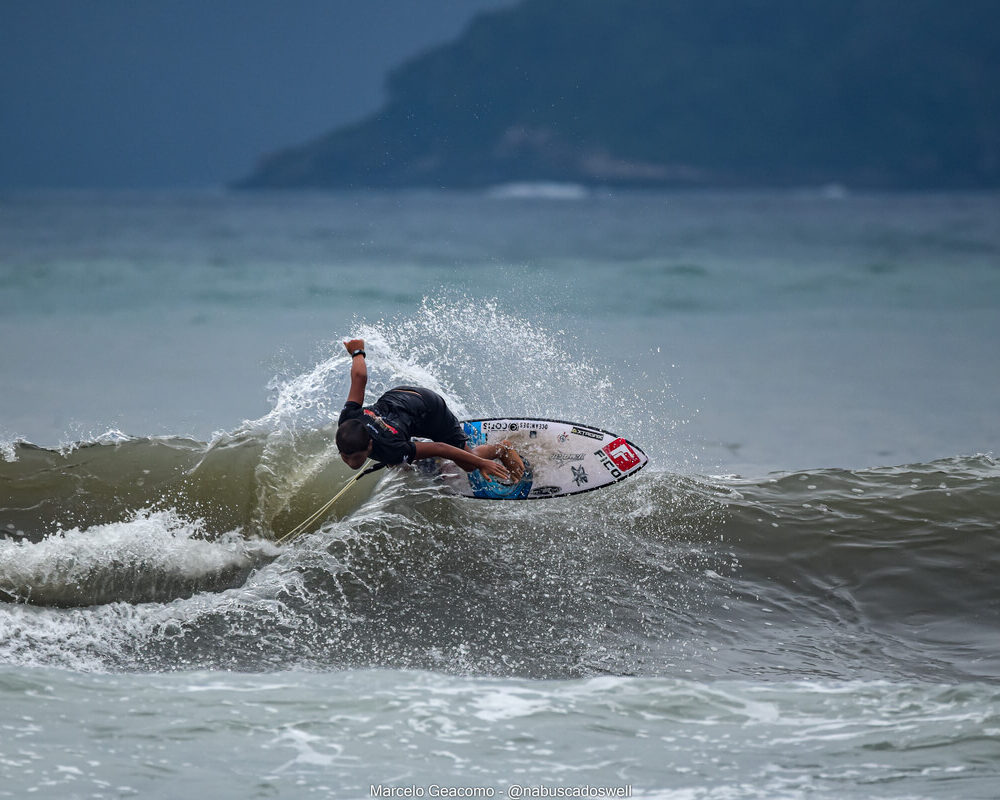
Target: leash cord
[301, 527]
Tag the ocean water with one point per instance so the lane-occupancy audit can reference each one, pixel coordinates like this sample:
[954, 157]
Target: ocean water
[799, 596]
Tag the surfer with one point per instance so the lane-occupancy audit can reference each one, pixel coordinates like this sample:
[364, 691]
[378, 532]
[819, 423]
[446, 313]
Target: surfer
[382, 430]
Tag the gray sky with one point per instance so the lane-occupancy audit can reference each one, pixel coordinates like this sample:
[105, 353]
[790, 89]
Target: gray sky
[190, 93]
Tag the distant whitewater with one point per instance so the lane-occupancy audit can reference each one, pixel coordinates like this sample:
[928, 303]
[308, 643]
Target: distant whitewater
[539, 191]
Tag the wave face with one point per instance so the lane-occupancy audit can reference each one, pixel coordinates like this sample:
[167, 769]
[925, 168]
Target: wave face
[159, 553]
[832, 574]
[144, 519]
[893, 568]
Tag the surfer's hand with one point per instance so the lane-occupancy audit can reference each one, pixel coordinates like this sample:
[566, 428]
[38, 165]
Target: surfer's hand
[492, 468]
[354, 344]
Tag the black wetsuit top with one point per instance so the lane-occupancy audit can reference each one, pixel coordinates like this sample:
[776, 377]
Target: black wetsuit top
[401, 413]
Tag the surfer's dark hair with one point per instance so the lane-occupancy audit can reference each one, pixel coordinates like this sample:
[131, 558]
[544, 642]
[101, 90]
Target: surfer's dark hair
[352, 437]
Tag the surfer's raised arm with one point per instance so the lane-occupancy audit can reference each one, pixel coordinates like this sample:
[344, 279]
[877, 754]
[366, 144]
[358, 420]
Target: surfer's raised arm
[385, 430]
[359, 371]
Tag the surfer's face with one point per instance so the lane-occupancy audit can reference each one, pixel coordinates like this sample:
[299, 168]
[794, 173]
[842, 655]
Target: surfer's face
[355, 460]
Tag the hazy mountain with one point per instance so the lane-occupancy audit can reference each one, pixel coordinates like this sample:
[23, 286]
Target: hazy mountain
[883, 93]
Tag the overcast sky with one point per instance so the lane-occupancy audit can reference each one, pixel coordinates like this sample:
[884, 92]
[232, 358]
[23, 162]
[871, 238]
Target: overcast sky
[190, 93]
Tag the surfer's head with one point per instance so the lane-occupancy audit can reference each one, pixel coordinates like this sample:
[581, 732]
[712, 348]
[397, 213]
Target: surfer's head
[354, 442]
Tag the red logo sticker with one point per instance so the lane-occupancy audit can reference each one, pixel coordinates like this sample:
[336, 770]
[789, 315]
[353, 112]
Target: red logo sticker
[622, 454]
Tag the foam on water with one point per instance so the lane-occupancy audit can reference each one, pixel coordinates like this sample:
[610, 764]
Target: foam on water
[336, 734]
[8, 447]
[153, 555]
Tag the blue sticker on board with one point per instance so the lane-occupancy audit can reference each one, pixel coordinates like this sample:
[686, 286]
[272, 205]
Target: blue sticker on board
[495, 490]
[474, 430]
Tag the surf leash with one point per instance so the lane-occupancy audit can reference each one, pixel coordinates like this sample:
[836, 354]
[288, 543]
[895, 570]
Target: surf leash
[316, 515]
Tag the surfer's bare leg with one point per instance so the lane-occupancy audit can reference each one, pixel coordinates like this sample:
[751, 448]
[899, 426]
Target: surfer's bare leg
[506, 453]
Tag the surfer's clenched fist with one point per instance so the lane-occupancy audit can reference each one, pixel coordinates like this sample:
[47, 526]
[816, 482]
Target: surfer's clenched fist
[353, 345]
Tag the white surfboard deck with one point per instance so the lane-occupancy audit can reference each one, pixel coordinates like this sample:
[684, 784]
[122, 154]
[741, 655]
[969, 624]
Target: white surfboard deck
[561, 458]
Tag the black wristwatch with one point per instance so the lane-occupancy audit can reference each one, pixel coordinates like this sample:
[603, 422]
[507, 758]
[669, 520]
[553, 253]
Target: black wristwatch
[358, 353]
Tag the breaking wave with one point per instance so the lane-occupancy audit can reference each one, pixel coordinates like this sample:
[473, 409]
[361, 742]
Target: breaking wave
[159, 553]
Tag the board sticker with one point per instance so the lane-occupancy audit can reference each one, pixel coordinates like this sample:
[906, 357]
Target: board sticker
[622, 454]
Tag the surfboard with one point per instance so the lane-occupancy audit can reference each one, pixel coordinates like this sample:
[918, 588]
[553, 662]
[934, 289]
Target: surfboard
[560, 458]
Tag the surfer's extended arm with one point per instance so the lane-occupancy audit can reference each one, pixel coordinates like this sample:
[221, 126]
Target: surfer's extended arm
[466, 459]
[359, 371]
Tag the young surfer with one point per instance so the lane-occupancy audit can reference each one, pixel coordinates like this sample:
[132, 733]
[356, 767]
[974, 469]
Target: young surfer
[382, 430]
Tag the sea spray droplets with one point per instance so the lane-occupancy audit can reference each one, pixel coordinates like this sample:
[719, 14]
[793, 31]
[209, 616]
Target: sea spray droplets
[392, 363]
[297, 434]
[8, 447]
[307, 400]
[298, 431]
[488, 362]
[502, 363]
[485, 361]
